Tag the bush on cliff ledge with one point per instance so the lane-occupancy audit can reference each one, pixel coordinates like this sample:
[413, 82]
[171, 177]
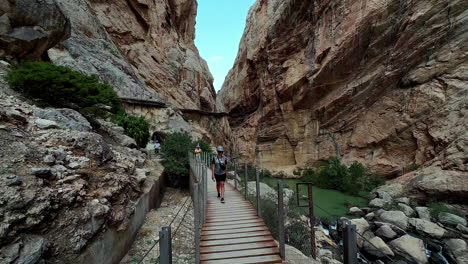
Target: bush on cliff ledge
[62, 87]
[135, 127]
[176, 163]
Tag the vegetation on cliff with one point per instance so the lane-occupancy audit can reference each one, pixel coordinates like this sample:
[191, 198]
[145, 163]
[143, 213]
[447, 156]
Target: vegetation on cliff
[174, 152]
[135, 126]
[60, 86]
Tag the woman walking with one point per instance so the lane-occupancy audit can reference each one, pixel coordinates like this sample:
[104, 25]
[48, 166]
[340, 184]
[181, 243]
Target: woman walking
[219, 171]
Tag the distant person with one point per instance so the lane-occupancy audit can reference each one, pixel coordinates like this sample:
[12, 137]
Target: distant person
[219, 171]
[157, 147]
[197, 151]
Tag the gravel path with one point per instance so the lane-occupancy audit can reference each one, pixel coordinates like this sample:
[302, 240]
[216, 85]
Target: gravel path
[182, 230]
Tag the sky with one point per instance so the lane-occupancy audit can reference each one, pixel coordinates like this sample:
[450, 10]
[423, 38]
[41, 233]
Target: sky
[219, 28]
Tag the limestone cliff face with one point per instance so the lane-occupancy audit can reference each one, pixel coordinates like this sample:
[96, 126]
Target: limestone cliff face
[157, 38]
[381, 82]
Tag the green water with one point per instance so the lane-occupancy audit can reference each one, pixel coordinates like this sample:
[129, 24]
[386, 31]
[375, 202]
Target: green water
[335, 203]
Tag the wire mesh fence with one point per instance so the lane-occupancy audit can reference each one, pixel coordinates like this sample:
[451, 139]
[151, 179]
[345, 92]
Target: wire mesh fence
[262, 192]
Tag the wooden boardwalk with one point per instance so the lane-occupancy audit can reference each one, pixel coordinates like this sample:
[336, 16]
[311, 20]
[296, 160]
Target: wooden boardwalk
[233, 233]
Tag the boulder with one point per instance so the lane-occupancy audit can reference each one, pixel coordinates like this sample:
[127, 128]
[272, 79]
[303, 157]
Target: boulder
[378, 203]
[30, 28]
[386, 232]
[397, 218]
[65, 118]
[355, 211]
[43, 173]
[406, 209]
[410, 248]
[449, 219]
[404, 200]
[45, 124]
[369, 216]
[384, 195]
[362, 228]
[10, 252]
[49, 159]
[462, 228]
[295, 256]
[427, 228]
[377, 247]
[33, 250]
[423, 213]
[457, 250]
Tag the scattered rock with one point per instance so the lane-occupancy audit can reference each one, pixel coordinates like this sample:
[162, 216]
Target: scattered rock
[45, 124]
[49, 159]
[377, 247]
[386, 232]
[406, 209]
[451, 219]
[43, 173]
[423, 213]
[12, 180]
[410, 248]
[404, 200]
[362, 228]
[428, 228]
[355, 211]
[397, 218]
[74, 165]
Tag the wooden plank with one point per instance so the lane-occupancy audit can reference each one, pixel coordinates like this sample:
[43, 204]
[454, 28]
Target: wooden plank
[248, 260]
[236, 241]
[242, 253]
[228, 248]
[234, 231]
[227, 227]
[223, 220]
[237, 235]
[254, 220]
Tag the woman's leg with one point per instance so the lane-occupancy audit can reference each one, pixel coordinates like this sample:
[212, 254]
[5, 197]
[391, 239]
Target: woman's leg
[222, 189]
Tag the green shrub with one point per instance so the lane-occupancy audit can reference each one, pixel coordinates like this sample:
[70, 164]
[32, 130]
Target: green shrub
[62, 87]
[176, 162]
[437, 207]
[355, 179]
[135, 127]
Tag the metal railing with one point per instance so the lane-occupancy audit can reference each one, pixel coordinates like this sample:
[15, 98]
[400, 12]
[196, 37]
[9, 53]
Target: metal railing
[199, 191]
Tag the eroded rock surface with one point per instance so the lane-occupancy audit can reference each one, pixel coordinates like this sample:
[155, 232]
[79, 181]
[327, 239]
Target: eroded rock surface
[379, 82]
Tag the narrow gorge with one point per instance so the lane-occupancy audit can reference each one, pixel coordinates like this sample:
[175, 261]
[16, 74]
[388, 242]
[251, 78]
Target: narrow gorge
[377, 84]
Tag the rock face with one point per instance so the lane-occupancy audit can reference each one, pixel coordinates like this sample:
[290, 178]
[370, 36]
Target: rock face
[29, 28]
[380, 82]
[143, 48]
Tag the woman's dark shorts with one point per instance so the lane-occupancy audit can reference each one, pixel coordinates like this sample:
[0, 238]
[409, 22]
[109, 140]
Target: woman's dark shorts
[220, 178]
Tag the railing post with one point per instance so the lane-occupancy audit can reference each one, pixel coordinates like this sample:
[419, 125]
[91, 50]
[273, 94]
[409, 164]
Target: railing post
[245, 182]
[196, 221]
[313, 249]
[350, 244]
[235, 175]
[281, 237]
[257, 185]
[165, 246]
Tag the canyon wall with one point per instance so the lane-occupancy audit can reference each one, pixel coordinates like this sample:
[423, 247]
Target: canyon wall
[379, 82]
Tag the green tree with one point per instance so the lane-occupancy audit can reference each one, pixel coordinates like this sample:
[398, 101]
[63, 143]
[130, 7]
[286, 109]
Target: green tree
[62, 87]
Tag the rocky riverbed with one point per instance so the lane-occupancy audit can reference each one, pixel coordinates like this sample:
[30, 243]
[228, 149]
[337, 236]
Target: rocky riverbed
[176, 207]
